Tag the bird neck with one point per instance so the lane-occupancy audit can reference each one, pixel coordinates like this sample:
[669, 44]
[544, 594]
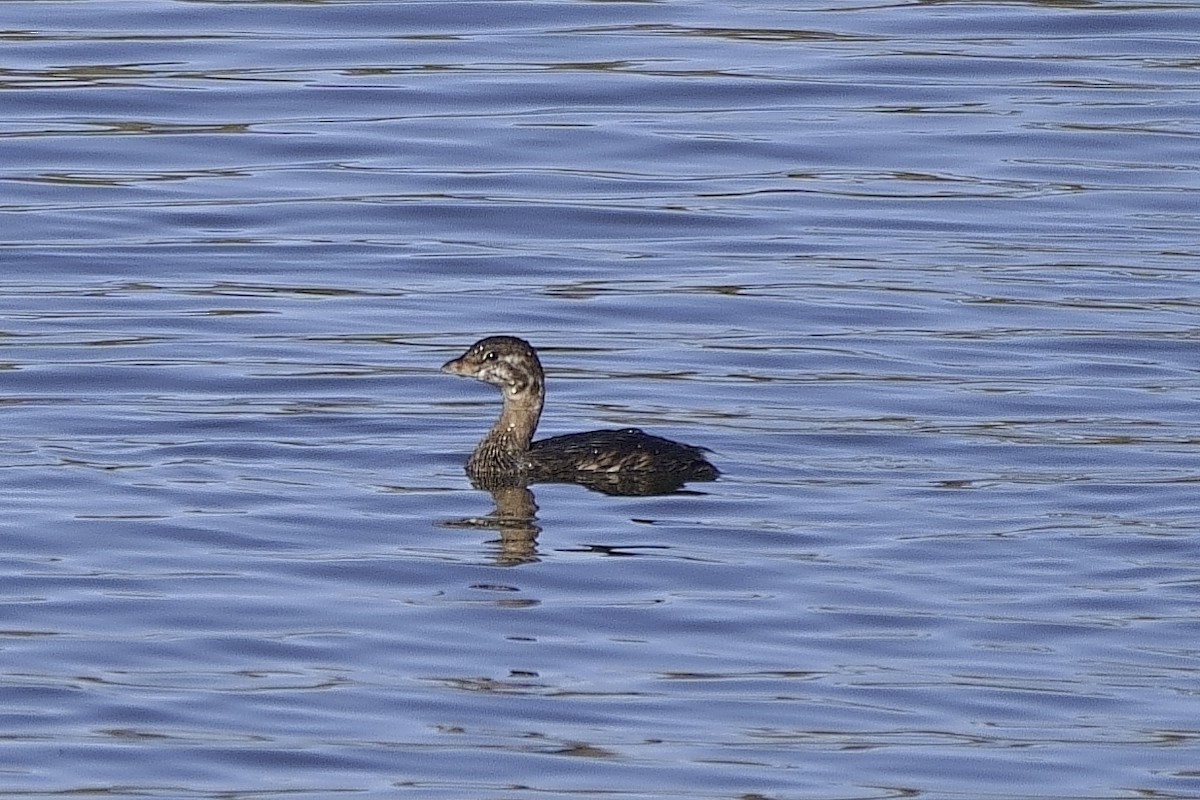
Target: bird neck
[510, 436]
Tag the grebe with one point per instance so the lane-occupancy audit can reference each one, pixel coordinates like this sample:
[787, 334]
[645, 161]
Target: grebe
[626, 461]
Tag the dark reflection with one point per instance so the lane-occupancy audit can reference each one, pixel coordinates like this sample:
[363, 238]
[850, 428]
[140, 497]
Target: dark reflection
[634, 484]
[514, 516]
[514, 512]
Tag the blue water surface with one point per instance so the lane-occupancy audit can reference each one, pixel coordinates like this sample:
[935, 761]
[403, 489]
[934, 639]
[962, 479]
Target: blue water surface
[923, 276]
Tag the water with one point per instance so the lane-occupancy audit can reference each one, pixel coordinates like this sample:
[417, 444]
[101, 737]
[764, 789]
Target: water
[923, 277]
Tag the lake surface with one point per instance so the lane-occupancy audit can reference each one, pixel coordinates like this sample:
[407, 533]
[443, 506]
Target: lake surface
[925, 277]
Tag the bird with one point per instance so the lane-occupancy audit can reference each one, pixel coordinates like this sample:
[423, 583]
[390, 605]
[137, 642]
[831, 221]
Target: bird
[622, 461]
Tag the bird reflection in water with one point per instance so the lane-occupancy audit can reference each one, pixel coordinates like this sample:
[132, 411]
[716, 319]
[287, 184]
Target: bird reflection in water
[514, 512]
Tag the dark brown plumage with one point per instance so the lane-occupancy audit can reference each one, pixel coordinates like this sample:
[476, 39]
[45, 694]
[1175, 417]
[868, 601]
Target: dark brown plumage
[616, 461]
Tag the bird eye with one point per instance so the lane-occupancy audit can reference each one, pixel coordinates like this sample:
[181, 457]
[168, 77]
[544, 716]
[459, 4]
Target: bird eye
[490, 355]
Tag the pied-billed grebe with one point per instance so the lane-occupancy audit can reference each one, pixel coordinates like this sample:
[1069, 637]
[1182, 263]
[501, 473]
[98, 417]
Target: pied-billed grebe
[508, 449]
